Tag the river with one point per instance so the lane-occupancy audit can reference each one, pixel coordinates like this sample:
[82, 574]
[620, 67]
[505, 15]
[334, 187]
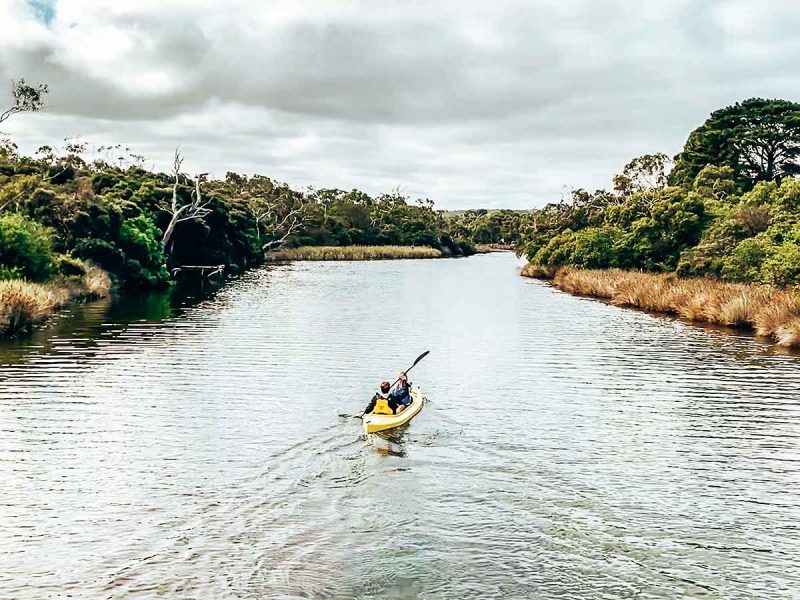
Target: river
[191, 447]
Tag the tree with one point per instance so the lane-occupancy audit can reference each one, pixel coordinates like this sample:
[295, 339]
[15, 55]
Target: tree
[759, 139]
[27, 98]
[195, 209]
[277, 210]
[644, 175]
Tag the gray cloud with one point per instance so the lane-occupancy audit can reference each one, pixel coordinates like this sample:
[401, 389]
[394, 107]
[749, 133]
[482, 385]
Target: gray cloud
[471, 104]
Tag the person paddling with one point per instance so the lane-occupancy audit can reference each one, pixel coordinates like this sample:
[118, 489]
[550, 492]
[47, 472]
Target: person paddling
[388, 400]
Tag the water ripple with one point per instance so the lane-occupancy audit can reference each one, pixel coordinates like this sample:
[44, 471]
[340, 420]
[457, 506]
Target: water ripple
[156, 447]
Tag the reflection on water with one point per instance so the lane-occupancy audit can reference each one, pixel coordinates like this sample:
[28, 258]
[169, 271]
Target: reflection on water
[83, 323]
[187, 444]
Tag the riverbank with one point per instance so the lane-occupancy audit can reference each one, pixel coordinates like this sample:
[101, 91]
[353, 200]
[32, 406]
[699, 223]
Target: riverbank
[765, 310]
[353, 253]
[24, 304]
[486, 248]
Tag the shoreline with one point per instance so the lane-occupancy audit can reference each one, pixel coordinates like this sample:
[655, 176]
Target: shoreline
[766, 311]
[334, 253]
[24, 304]
[487, 248]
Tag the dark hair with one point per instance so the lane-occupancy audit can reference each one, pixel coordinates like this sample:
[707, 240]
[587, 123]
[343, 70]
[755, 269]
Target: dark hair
[385, 386]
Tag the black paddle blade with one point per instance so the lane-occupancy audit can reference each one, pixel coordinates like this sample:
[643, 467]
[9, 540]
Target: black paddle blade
[419, 358]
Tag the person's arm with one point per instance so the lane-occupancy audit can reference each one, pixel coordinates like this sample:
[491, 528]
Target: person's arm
[401, 387]
[402, 381]
[371, 405]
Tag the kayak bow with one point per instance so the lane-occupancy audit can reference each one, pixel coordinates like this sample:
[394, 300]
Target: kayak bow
[373, 423]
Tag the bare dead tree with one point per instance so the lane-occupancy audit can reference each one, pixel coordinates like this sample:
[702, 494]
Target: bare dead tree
[195, 209]
[280, 218]
[290, 223]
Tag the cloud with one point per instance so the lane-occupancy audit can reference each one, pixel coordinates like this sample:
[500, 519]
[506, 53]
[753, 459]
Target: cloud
[468, 103]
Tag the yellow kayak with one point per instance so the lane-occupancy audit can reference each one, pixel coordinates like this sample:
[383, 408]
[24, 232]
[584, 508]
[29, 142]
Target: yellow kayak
[373, 423]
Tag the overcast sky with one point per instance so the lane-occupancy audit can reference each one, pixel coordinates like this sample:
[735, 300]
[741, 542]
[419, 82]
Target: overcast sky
[471, 103]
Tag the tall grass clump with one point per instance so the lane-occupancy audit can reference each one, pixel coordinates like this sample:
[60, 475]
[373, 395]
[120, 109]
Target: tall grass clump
[768, 311]
[538, 271]
[23, 304]
[352, 253]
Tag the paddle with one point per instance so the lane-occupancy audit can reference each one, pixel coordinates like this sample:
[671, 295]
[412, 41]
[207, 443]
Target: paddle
[419, 358]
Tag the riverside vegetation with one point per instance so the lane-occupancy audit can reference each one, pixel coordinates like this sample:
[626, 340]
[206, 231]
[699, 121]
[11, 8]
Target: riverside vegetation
[715, 233]
[353, 253]
[80, 210]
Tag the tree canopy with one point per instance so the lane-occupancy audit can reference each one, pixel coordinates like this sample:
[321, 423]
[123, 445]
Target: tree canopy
[729, 209]
[758, 139]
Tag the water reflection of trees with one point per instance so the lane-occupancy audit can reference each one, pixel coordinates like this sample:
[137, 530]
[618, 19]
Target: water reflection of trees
[84, 325]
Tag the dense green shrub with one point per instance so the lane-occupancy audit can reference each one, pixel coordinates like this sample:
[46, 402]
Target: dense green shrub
[26, 247]
[140, 243]
[68, 265]
[104, 253]
[782, 266]
[745, 262]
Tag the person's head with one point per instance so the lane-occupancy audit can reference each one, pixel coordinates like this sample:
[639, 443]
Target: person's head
[385, 385]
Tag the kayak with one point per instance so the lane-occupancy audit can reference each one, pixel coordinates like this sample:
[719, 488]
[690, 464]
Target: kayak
[373, 423]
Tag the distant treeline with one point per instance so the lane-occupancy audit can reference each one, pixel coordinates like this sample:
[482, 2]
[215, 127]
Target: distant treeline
[136, 224]
[727, 206]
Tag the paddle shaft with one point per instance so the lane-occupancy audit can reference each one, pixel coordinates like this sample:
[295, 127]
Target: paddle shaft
[419, 358]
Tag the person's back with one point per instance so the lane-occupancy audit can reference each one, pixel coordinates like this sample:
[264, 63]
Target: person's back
[387, 401]
[381, 403]
[401, 395]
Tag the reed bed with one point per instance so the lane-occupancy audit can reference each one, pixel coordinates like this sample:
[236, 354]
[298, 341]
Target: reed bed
[352, 253]
[24, 304]
[768, 311]
[486, 248]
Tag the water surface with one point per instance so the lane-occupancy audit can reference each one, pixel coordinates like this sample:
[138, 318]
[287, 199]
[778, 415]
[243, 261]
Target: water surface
[158, 447]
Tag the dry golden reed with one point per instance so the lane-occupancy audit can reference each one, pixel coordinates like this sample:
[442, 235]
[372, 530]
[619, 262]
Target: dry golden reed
[24, 304]
[352, 253]
[768, 311]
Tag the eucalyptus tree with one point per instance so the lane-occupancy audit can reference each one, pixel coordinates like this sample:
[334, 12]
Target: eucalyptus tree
[27, 98]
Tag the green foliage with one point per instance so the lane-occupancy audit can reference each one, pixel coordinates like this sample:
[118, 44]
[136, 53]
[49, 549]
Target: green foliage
[732, 211]
[782, 266]
[745, 261]
[758, 139]
[10, 273]
[117, 217]
[104, 253]
[26, 247]
[590, 248]
[140, 243]
[68, 265]
[485, 227]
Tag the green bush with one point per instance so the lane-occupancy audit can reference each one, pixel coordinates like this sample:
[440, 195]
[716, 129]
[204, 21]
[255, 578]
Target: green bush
[67, 265]
[105, 254]
[140, 242]
[26, 247]
[10, 273]
[593, 248]
[745, 262]
[782, 266]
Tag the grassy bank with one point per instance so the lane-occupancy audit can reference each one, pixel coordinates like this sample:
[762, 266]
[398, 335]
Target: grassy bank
[352, 253]
[766, 310]
[24, 304]
[486, 248]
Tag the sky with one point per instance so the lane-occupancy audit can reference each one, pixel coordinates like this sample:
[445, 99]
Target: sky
[501, 104]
